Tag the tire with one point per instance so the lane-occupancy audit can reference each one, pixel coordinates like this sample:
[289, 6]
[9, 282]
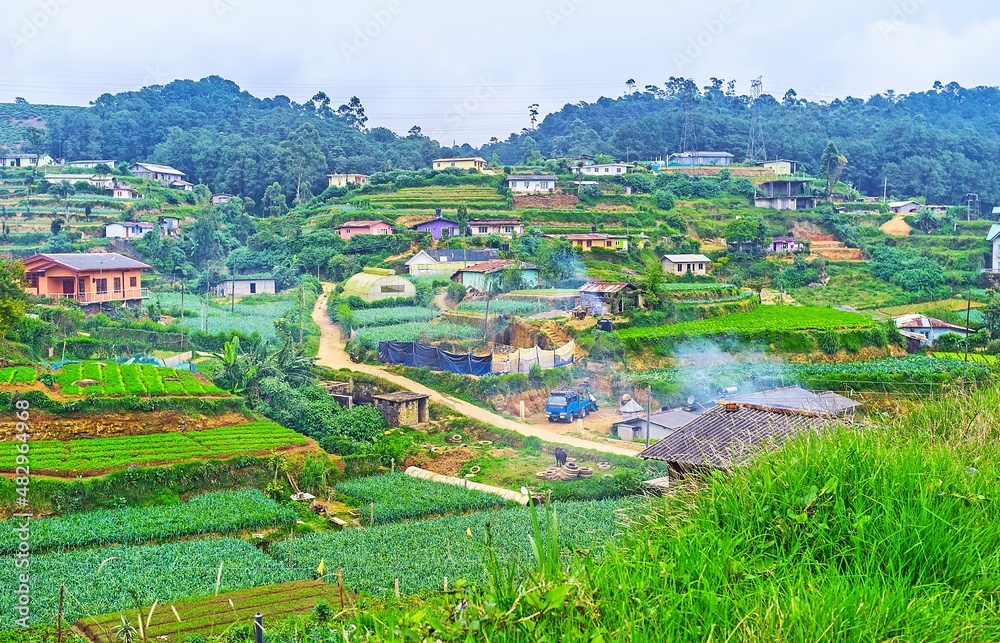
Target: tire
[570, 418]
[586, 412]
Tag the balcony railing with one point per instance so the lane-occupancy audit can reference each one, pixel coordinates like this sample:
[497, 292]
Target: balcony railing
[128, 294]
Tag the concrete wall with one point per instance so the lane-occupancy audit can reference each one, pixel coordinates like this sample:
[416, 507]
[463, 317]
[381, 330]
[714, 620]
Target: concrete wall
[261, 287]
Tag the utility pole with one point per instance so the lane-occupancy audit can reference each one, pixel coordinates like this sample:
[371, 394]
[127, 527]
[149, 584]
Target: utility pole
[649, 412]
[232, 308]
[300, 315]
[182, 317]
[968, 315]
[885, 189]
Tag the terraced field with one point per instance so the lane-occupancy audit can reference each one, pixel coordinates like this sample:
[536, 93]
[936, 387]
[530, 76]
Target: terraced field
[54, 457]
[476, 198]
[133, 379]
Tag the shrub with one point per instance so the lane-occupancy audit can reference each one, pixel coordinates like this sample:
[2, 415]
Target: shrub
[456, 292]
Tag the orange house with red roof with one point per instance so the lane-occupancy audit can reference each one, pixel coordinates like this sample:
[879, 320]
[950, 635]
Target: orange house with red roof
[86, 278]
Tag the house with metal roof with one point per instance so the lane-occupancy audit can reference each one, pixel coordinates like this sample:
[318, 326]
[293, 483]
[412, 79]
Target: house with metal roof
[351, 228]
[993, 238]
[477, 163]
[439, 227]
[531, 183]
[127, 229]
[375, 284]
[931, 329]
[502, 227]
[430, 263]
[489, 275]
[694, 159]
[610, 295]
[796, 399]
[156, 172]
[683, 264]
[88, 278]
[661, 424]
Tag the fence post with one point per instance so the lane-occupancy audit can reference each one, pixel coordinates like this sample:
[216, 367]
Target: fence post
[258, 628]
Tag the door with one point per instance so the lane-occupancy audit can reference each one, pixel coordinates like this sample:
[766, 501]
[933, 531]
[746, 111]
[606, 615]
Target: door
[69, 287]
[253, 288]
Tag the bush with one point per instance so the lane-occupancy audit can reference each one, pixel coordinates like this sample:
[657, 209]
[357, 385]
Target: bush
[456, 292]
[664, 199]
[829, 342]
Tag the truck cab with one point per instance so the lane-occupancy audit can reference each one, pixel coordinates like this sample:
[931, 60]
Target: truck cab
[567, 405]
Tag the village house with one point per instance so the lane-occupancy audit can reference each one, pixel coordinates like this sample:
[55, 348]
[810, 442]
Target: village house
[26, 160]
[928, 327]
[905, 207]
[154, 172]
[589, 241]
[341, 180]
[127, 229]
[242, 287]
[785, 244]
[435, 263]
[466, 163]
[221, 198]
[781, 167]
[69, 178]
[531, 183]
[682, 264]
[785, 194]
[610, 296]
[439, 227]
[502, 227]
[86, 277]
[179, 184]
[661, 424]
[125, 192]
[91, 164]
[602, 169]
[488, 275]
[993, 238]
[169, 226]
[403, 408]
[695, 159]
[352, 228]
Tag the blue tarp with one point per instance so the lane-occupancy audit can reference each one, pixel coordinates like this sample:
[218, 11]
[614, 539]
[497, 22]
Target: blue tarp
[420, 355]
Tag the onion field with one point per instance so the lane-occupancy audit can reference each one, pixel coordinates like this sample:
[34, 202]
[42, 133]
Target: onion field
[389, 316]
[370, 337]
[212, 513]
[133, 379]
[765, 318]
[101, 579]
[59, 458]
[504, 307]
[422, 553]
[399, 497]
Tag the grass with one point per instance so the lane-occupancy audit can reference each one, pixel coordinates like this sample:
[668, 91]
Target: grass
[56, 457]
[399, 497]
[850, 285]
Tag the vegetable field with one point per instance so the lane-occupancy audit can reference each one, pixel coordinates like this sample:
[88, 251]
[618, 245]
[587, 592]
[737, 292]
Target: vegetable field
[422, 554]
[504, 307]
[213, 513]
[370, 337]
[765, 318]
[18, 375]
[133, 379]
[389, 316]
[76, 456]
[212, 615]
[973, 357]
[161, 573]
[248, 318]
[398, 497]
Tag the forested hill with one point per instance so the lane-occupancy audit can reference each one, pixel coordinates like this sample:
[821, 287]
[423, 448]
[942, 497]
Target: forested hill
[222, 136]
[940, 144]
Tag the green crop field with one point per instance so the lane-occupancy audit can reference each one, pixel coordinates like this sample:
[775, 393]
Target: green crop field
[213, 615]
[59, 458]
[133, 379]
[100, 579]
[415, 331]
[399, 497]
[973, 357]
[18, 375]
[765, 318]
[246, 318]
[503, 307]
[422, 554]
[212, 513]
[390, 316]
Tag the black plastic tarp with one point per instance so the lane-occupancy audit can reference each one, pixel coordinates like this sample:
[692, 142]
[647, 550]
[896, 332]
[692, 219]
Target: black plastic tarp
[420, 355]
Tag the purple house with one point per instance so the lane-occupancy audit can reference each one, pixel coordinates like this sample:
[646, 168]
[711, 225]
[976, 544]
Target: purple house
[438, 226]
[785, 244]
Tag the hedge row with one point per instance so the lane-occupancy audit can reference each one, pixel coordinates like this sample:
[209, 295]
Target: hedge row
[132, 404]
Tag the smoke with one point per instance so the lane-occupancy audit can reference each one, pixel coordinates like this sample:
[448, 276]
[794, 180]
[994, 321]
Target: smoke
[705, 367]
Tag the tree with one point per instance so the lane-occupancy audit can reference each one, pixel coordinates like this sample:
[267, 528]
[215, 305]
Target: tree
[302, 155]
[275, 204]
[603, 159]
[353, 113]
[831, 166]
[13, 299]
[56, 226]
[463, 219]
[630, 85]
[664, 199]
[746, 233]
[533, 114]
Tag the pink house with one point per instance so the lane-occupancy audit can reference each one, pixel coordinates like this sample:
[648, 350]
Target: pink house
[351, 228]
[785, 244]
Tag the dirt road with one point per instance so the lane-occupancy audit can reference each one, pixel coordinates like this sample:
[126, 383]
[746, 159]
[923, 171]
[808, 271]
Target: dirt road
[332, 354]
[897, 226]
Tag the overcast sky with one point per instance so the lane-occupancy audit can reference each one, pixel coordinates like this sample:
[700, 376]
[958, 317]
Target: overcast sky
[467, 71]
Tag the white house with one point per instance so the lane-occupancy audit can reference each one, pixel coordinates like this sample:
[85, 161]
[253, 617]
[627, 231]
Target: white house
[448, 262]
[682, 264]
[181, 185]
[127, 229]
[244, 287]
[221, 198]
[904, 207]
[91, 164]
[932, 329]
[781, 167]
[691, 159]
[502, 227]
[155, 172]
[26, 160]
[993, 238]
[169, 226]
[341, 180]
[528, 183]
[602, 169]
[125, 192]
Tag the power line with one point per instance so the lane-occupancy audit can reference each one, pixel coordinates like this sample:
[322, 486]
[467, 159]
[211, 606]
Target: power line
[755, 147]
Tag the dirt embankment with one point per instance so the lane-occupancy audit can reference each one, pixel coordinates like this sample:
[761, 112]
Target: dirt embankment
[50, 427]
[897, 226]
[546, 201]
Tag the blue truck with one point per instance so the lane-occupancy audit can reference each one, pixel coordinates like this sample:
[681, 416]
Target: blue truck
[567, 405]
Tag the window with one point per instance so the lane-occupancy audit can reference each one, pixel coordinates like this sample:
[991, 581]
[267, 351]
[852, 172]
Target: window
[83, 285]
[607, 169]
[453, 165]
[31, 279]
[392, 289]
[100, 286]
[118, 284]
[132, 282]
[545, 185]
[483, 229]
[701, 266]
[508, 228]
[680, 268]
[253, 288]
[619, 170]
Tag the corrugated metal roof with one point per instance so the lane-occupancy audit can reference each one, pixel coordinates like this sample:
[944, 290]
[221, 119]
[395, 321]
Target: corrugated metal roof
[361, 224]
[531, 177]
[994, 232]
[162, 169]
[795, 398]
[687, 258]
[604, 287]
[90, 261]
[496, 265]
[476, 222]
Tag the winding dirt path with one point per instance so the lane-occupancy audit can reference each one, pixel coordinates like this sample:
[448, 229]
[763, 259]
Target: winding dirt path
[331, 354]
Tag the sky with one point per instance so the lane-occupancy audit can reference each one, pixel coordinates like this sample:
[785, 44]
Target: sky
[467, 71]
